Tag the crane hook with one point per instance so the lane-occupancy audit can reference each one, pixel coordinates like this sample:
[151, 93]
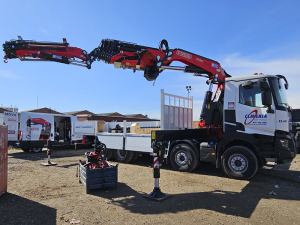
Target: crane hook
[5, 60]
[165, 43]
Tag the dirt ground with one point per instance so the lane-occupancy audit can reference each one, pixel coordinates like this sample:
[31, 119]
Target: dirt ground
[52, 195]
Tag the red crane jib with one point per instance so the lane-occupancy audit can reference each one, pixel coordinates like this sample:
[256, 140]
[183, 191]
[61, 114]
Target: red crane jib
[123, 54]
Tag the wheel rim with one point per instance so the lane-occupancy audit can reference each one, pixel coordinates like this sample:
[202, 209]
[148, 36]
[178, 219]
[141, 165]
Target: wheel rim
[181, 158]
[238, 163]
[121, 154]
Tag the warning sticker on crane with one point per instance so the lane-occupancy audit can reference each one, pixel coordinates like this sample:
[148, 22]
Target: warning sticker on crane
[215, 65]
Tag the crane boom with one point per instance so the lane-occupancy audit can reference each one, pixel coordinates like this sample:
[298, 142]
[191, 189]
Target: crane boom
[122, 54]
[127, 56]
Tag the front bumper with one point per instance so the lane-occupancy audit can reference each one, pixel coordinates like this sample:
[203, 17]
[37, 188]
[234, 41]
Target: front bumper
[285, 147]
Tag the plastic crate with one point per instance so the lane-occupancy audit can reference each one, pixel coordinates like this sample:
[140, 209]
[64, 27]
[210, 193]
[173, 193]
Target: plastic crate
[98, 178]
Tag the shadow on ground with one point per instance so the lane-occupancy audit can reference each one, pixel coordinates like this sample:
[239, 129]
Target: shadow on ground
[281, 171]
[18, 210]
[43, 154]
[240, 204]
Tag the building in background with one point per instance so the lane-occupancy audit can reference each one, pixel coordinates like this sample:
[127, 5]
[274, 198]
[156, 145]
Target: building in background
[43, 110]
[10, 109]
[2, 110]
[114, 117]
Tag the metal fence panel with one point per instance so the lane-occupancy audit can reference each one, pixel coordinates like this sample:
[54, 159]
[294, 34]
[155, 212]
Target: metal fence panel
[176, 112]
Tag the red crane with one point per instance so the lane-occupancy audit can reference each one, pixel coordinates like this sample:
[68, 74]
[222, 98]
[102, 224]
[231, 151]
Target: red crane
[127, 56]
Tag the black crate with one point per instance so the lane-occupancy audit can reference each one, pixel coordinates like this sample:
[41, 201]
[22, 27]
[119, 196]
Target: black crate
[98, 178]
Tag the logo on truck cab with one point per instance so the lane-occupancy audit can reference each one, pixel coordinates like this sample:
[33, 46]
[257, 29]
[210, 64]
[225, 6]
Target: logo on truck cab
[254, 118]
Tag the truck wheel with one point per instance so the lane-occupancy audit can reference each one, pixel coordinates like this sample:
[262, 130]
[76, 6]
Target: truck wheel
[183, 158]
[123, 155]
[239, 162]
[36, 149]
[25, 149]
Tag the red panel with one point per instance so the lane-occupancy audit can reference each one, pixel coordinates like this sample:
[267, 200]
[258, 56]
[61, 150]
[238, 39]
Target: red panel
[3, 159]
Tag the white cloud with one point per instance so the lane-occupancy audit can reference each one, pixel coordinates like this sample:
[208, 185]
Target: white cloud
[8, 74]
[44, 31]
[247, 65]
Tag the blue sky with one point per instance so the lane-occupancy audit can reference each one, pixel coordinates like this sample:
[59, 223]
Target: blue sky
[244, 36]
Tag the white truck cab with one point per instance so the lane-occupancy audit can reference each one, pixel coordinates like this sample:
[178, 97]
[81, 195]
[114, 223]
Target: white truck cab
[256, 107]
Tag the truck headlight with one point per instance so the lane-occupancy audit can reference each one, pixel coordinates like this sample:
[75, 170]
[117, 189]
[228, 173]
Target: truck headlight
[284, 143]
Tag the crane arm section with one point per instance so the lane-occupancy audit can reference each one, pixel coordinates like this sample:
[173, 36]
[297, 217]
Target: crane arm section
[131, 56]
[122, 54]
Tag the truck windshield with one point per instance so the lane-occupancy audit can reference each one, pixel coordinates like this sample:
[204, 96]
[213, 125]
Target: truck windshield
[279, 92]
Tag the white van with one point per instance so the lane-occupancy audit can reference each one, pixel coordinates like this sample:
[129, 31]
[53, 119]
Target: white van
[36, 129]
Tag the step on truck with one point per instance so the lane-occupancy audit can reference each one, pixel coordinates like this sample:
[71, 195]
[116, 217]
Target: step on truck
[246, 120]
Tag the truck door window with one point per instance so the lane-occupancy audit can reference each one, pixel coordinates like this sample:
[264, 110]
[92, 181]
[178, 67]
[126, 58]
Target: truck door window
[250, 96]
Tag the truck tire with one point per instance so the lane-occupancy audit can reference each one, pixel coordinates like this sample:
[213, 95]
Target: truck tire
[25, 149]
[36, 149]
[123, 155]
[183, 158]
[239, 162]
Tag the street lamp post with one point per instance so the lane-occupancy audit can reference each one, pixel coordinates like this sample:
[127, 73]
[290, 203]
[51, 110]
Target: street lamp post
[188, 88]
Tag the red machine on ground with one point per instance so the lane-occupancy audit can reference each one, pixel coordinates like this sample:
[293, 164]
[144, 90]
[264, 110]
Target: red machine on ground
[96, 159]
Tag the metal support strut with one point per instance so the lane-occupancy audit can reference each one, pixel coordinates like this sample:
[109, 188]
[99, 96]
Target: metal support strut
[49, 148]
[158, 157]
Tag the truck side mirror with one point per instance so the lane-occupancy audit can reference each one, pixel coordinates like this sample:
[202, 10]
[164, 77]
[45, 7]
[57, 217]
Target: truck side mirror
[286, 85]
[263, 85]
[266, 99]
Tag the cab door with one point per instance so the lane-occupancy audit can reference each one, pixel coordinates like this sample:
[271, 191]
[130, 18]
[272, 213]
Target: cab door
[255, 117]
